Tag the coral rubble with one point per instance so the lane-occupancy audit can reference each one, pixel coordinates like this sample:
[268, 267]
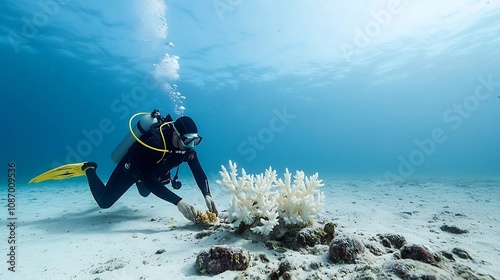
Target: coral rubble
[206, 218]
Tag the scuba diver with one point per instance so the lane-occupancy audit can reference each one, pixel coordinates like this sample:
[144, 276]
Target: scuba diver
[146, 157]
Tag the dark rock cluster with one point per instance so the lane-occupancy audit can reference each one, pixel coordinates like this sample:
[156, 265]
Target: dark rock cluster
[301, 239]
[345, 249]
[308, 237]
[384, 256]
[221, 258]
[419, 253]
[392, 240]
[283, 271]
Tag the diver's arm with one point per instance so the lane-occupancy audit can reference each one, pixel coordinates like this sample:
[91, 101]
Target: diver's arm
[162, 192]
[151, 182]
[199, 175]
[202, 182]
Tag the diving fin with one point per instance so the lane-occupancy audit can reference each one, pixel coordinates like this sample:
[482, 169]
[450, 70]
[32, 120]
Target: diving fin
[61, 172]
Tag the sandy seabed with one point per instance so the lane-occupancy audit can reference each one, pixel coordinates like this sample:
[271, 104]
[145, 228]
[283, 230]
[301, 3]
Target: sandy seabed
[62, 234]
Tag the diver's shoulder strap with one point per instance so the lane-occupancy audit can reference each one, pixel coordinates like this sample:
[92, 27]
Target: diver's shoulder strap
[155, 130]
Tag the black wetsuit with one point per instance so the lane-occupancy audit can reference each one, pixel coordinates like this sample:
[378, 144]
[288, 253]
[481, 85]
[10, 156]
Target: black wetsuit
[146, 172]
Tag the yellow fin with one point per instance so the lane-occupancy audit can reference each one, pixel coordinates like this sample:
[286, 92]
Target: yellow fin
[59, 173]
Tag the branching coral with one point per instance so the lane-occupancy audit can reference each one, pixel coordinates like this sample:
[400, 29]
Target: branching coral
[300, 202]
[253, 198]
[260, 200]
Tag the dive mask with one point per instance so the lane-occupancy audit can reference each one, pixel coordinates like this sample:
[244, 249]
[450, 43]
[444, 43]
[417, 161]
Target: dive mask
[190, 140]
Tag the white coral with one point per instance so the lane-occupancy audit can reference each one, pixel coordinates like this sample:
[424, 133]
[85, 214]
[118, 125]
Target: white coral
[301, 201]
[264, 199]
[253, 198]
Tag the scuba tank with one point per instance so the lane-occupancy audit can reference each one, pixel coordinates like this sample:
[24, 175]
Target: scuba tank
[143, 126]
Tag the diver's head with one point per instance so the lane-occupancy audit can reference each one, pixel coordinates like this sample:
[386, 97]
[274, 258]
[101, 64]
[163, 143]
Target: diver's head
[186, 133]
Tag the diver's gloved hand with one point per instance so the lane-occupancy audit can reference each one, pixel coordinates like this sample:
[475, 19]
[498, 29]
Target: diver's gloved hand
[187, 210]
[211, 204]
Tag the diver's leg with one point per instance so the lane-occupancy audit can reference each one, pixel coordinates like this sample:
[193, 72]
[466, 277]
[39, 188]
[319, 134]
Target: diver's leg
[117, 185]
[143, 191]
[96, 185]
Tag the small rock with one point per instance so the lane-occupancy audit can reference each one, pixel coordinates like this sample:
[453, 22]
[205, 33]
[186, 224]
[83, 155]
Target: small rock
[345, 249]
[283, 271]
[329, 229]
[392, 240]
[315, 265]
[408, 269]
[464, 272]
[110, 265]
[447, 255]
[453, 229]
[285, 266]
[287, 276]
[263, 258]
[203, 234]
[221, 258]
[369, 273]
[375, 248]
[461, 253]
[419, 253]
[307, 239]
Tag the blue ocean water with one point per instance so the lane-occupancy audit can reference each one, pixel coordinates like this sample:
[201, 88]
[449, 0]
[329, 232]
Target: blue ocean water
[389, 89]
